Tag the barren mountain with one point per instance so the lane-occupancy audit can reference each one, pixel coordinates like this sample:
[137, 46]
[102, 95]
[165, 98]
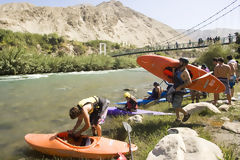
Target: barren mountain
[107, 21]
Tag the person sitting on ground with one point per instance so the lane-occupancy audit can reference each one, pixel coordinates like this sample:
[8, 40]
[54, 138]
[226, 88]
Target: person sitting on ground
[181, 79]
[131, 104]
[222, 72]
[92, 110]
[156, 92]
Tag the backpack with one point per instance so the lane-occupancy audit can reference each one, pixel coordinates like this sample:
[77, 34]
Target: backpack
[170, 93]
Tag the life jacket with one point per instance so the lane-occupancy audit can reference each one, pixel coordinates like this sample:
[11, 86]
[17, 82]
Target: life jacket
[131, 104]
[154, 94]
[92, 100]
[177, 78]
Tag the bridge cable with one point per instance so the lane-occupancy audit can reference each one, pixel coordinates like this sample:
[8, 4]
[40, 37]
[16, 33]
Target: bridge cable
[210, 22]
[180, 34]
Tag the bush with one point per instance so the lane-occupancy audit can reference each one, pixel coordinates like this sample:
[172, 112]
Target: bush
[215, 51]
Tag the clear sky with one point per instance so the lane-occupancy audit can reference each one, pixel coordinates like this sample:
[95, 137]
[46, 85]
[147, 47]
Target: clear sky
[178, 14]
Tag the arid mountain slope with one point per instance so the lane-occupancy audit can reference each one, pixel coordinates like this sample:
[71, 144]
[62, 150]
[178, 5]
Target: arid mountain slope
[107, 21]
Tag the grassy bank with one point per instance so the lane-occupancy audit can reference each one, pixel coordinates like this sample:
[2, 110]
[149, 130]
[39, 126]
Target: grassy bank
[147, 134]
[153, 128]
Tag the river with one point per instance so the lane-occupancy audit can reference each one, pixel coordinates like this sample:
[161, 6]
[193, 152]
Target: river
[40, 103]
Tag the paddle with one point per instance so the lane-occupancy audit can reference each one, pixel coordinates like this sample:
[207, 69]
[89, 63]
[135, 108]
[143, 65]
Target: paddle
[203, 76]
[128, 128]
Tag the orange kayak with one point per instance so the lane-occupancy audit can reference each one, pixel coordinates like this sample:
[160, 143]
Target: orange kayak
[63, 145]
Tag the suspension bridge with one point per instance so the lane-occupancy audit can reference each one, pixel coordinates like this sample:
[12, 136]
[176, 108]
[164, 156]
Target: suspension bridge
[168, 44]
[182, 46]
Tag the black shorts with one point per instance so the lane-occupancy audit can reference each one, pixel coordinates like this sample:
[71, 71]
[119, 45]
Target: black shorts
[97, 112]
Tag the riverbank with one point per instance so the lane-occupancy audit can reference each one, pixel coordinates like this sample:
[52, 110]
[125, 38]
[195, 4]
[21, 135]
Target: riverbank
[207, 124]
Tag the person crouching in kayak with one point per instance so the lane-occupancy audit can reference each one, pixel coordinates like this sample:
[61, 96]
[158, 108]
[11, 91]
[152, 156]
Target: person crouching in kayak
[131, 104]
[92, 110]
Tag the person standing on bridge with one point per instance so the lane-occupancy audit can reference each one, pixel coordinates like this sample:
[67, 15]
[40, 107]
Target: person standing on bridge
[181, 79]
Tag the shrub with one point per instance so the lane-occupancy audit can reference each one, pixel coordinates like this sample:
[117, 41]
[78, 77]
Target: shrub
[214, 51]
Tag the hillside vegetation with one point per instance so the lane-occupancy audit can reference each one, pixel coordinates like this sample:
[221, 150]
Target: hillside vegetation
[26, 53]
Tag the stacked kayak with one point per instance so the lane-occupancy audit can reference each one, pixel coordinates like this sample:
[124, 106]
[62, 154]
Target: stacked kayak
[164, 93]
[63, 145]
[117, 111]
[146, 101]
[143, 101]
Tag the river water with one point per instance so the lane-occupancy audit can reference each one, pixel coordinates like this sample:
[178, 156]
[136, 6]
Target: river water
[40, 103]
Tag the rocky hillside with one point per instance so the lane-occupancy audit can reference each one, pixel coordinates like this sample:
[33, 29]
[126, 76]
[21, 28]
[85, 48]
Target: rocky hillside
[107, 21]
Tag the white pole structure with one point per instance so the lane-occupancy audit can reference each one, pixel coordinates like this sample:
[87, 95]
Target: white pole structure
[102, 48]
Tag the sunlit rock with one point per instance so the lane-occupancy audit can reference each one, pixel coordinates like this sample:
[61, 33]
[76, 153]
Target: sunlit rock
[136, 119]
[224, 107]
[225, 119]
[198, 107]
[232, 126]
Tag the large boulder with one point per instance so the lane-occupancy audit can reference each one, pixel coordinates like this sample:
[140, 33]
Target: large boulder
[184, 144]
[169, 147]
[198, 107]
[184, 131]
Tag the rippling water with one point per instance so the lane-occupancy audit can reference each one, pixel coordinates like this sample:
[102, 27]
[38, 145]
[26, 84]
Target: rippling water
[40, 103]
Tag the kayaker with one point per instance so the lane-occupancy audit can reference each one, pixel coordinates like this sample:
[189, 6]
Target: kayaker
[156, 92]
[131, 104]
[92, 110]
[233, 75]
[181, 79]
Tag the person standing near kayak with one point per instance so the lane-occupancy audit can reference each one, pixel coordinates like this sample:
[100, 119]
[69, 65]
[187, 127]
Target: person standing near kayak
[181, 79]
[233, 75]
[92, 110]
[222, 71]
[131, 104]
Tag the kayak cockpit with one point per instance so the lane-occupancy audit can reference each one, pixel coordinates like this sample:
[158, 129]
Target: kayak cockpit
[82, 141]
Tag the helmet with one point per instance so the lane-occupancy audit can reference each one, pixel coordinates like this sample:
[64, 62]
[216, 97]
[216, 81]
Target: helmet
[126, 94]
[184, 60]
